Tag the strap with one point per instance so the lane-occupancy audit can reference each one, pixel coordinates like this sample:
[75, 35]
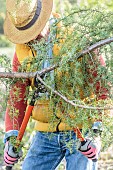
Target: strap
[36, 16]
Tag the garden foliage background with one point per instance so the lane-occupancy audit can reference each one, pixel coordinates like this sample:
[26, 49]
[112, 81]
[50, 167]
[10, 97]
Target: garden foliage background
[7, 49]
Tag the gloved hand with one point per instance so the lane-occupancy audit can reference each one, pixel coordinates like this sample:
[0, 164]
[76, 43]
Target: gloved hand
[91, 147]
[11, 156]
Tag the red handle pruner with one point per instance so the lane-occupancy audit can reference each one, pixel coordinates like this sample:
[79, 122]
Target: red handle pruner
[79, 134]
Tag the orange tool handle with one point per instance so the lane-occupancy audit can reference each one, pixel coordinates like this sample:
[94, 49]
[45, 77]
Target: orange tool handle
[25, 122]
[79, 134]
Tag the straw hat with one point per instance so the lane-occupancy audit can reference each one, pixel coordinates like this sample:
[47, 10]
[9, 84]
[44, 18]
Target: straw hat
[26, 19]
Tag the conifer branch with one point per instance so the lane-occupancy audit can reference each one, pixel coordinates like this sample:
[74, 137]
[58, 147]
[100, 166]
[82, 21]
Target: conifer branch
[69, 101]
[31, 74]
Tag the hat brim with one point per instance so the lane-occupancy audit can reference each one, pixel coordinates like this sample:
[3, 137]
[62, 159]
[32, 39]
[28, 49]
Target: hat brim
[23, 36]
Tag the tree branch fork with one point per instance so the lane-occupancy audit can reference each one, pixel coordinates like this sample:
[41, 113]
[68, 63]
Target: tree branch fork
[27, 75]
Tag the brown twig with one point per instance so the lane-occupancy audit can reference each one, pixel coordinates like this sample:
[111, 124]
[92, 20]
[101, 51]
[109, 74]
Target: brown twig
[39, 73]
[26, 75]
[30, 75]
[96, 45]
[69, 101]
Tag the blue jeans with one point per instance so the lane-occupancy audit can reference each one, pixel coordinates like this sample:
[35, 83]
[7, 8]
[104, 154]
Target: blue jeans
[48, 149]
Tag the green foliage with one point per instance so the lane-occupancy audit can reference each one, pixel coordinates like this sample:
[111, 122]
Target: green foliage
[1, 24]
[80, 29]
[4, 42]
[89, 28]
[2, 15]
[3, 4]
[93, 3]
[5, 63]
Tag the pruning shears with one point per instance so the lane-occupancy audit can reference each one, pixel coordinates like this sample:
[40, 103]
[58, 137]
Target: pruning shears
[27, 117]
[79, 134]
[25, 121]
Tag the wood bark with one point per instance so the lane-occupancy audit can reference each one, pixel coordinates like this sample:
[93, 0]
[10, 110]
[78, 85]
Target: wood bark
[39, 73]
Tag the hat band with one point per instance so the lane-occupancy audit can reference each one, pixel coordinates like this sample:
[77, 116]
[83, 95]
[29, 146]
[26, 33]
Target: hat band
[37, 13]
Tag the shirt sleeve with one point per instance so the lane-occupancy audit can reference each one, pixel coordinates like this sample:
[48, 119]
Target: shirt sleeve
[101, 90]
[17, 102]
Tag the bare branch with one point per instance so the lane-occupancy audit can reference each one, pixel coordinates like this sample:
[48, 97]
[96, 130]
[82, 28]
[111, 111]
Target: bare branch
[69, 101]
[43, 71]
[30, 75]
[97, 45]
[26, 75]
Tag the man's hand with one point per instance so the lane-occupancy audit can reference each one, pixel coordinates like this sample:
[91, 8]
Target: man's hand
[91, 147]
[11, 156]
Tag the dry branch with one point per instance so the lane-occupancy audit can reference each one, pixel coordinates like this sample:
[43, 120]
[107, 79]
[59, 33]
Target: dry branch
[69, 101]
[39, 73]
[30, 75]
[26, 75]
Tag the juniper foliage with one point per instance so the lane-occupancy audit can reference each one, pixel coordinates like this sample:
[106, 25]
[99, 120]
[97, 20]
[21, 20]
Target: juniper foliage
[78, 77]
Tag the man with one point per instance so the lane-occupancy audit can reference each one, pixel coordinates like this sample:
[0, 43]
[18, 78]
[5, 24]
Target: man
[24, 23]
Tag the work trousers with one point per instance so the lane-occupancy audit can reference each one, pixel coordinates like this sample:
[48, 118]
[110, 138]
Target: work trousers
[48, 149]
